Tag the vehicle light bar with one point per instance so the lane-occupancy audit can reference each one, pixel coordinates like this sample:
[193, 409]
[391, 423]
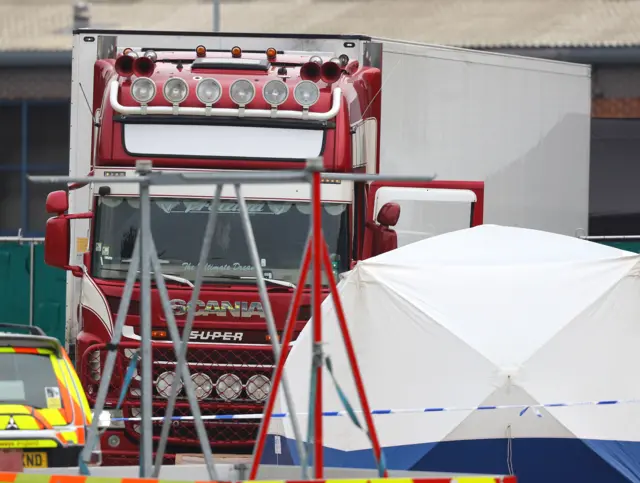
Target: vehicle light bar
[220, 112]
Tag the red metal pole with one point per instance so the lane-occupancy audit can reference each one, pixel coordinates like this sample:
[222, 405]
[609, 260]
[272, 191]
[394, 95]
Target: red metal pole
[317, 242]
[277, 376]
[351, 354]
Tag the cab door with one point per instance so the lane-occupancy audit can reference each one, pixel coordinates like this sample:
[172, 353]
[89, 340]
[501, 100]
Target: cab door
[426, 210]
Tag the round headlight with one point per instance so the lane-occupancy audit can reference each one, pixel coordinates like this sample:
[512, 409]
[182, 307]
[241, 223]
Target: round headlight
[164, 383]
[208, 91]
[143, 90]
[114, 441]
[306, 93]
[175, 90]
[242, 92]
[258, 387]
[275, 92]
[229, 387]
[204, 385]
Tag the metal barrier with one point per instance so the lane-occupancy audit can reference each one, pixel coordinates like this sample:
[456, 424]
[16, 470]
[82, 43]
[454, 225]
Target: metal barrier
[145, 260]
[630, 243]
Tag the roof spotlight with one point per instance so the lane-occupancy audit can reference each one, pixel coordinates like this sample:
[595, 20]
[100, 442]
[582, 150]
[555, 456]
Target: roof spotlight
[175, 90]
[208, 91]
[306, 93]
[242, 92]
[275, 92]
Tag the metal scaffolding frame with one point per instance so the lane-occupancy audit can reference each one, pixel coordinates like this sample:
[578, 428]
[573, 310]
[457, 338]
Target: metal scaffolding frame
[145, 264]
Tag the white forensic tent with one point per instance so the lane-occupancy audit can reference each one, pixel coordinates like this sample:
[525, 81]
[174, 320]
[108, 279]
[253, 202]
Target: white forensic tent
[485, 316]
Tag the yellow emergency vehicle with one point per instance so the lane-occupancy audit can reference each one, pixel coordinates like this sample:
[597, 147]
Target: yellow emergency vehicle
[44, 412]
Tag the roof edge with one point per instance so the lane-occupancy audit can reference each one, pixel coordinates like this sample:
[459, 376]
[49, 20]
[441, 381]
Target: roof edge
[628, 54]
[35, 58]
[189, 33]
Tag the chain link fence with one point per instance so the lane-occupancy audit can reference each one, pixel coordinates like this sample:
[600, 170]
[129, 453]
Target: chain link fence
[228, 379]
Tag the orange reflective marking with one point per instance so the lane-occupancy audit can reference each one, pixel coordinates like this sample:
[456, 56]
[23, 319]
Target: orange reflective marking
[81, 434]
[41, 420]
[80, 394]
[68, 478]
[26, 350]
[67, 404]
[70, 404]
[78, 410]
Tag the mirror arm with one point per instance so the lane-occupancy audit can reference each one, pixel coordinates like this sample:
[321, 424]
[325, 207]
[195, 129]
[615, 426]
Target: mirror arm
[75, 270]
[78, 216]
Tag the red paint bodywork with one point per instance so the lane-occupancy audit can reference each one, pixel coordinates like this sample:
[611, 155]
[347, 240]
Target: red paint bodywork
[361, 89]
[360, 99]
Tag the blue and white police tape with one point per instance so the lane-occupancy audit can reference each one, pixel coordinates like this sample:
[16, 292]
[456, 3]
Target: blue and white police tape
[380, 412]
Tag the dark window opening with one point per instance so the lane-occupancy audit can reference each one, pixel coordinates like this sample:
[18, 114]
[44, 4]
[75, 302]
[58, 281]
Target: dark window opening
[614, 191]
[28, 379]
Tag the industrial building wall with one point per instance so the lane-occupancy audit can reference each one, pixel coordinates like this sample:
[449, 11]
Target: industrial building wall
[34, 115]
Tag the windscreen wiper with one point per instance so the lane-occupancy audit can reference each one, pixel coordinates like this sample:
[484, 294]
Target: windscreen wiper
[174, 278]
[281, 283]
[166, 276]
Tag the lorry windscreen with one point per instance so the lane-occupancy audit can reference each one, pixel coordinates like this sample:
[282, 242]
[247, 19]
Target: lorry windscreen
[280, 229]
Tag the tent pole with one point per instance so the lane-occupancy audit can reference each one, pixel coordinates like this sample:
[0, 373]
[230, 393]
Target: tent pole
[268, 314]
[318, 357]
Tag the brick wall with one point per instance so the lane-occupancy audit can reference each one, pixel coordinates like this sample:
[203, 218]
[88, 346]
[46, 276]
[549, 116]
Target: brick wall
[616, 92]
[620, 108]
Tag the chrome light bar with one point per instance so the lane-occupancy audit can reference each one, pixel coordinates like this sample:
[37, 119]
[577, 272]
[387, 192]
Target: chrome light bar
[222, 112]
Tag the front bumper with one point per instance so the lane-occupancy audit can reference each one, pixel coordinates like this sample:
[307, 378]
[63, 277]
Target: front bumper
[120, 449]
[208, 364]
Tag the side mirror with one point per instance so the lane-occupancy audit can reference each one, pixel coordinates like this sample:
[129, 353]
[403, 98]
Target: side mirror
[389, 214]
[57, 236]
[57, 202]
[378, 237]
[57, 240]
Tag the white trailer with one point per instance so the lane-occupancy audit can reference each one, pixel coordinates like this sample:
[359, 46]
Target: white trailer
[507, 136]
[518, 128]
